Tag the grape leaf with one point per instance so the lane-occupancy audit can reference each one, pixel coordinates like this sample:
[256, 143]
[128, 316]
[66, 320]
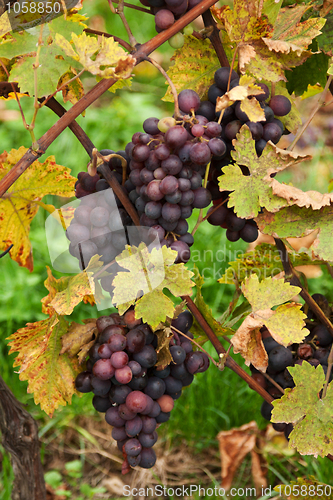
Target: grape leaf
[242, 92]
[19, 204]
[163, 346]
[285, 324]
[290, 34]
[194, 67]
[271, 8]
[267, 293]
[295, 222]
[251, 193]
[148, 274]
[50, 375]
[295, 196]
[49, 71]
[73, 90]
[325, 40]
[307, 487]
[263, 261]
[102, 57]
[78, 336]
[312, 416]
[311, 72]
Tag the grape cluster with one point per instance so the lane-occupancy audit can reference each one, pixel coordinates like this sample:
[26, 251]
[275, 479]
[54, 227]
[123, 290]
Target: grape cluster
[233, 119]
[135, 395]
[314, 349]
[167, 166]
[88, 184]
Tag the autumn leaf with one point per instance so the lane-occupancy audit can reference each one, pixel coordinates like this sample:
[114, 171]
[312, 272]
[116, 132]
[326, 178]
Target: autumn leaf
[19, 205]
[194, 67]
[300, 221]
[74, 90]
[311, 414]
[50, 375]
[251, 193]
[148, 274]
[285, 324]
[103, 57]
[79, 339]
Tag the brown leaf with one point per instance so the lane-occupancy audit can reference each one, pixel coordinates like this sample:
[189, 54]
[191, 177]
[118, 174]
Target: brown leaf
[296, 196]
[82, 355]
[234, 445]
[77, 336]
[164, 336]
[247, 340]
[245, 53]
[258, 475]
[124, 67]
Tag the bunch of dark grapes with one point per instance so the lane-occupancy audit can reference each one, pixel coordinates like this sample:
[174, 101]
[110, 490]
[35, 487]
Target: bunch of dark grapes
[314, 349]
[232, 121]
[167, 165]
[88, 184]
[135, 395]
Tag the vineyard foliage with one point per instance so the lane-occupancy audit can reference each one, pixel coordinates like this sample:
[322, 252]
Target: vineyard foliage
[288, 48]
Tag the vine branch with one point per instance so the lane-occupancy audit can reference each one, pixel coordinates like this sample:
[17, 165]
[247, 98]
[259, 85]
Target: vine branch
[214, 37]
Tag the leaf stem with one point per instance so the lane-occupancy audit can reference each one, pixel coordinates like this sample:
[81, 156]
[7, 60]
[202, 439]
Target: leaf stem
[320, 102]
[120, 11]
[136, 7]
[170, 82]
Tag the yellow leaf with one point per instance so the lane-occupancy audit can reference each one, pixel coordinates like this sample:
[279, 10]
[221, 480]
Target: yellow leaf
[102, 56]
[253, 109]
[19, 205]
[73, 90]
[50, 375]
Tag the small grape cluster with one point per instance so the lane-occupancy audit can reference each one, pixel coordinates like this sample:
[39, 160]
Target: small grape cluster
[88, 184]
[232, 120]
[314, 349]
[135, 395]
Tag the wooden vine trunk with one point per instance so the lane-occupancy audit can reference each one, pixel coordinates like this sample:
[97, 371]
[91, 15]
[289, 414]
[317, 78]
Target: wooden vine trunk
[20, 439]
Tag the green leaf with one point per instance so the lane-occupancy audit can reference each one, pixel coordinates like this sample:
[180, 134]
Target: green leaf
[295, 222]
[18, 44]
[311, 72]
[272, 8]
[194, 67]
[148, 274]
[312, 416]
[252, 192]
[49, 71]
[325, 40]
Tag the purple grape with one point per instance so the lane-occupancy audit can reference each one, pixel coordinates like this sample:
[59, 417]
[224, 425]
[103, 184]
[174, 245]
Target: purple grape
[117, 342]
[202, 198]
[172, 165]
[136, 401]
[280, 105]
[155, 387]
[135, 368]
[188, 100]
[147, 357]
[153, 190]
[134, 426]
[123, 375]
[125, 413]
[132, 447]
[222, 75]
[169, 184]
[164, 19]
[113, 418]
[176, 136]
[150, 126]
[103, 369]
[101, 404]
[119, 433]
[148, 440]
[83, 382]
[119, 359]
[200, 153]
[184, 253]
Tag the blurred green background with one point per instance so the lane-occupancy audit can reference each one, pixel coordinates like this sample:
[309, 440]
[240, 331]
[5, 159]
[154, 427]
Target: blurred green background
[216, 400]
